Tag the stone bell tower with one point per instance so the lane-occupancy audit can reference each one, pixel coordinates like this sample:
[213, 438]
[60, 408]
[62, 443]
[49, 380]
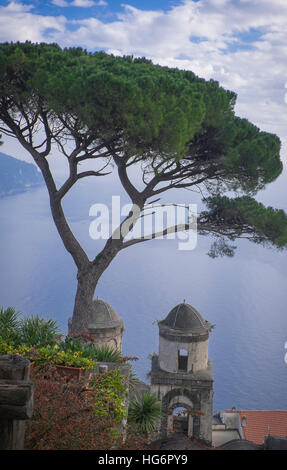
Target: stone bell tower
[182, 374]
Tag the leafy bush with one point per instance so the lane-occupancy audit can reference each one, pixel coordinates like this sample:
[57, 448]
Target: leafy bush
[31, 331]
[9, 348]
[64, 415]
[36, 331]
[10, 325]
[109, 394]
[55, 356]
[105, 353]
[133, 380]
[145, 411]
[97, 353]
[39, 340]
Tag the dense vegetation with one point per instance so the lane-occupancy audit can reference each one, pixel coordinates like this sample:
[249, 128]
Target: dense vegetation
[79, 415]
[75, 412]
[40, 341]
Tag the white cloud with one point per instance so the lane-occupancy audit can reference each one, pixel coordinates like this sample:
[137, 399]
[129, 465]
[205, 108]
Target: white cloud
[83, 3]
[60, 3]
[79, 3]
[240, 43]
[18, 24]
[18, 7]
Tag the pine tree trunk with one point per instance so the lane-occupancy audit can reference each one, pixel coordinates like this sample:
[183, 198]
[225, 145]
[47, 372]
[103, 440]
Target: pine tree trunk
[88, 278]
[87, 284]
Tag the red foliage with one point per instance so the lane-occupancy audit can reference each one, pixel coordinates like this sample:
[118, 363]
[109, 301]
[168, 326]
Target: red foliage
[63, 418]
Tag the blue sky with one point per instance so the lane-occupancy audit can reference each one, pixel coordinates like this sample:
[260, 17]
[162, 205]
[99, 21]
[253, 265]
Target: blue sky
[240, 43]
[79, 9]
[85, 8]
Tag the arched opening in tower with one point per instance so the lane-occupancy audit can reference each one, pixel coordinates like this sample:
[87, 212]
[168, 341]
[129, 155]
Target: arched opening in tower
[180, 420]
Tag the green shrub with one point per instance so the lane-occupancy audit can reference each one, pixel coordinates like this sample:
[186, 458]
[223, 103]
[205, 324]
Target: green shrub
[104, 353]
[52, 355]
[48, 355]
[10, 326]
[145, 411]
[97, 353]
[31, 331]
[133, 380]
[109, 390]
[39, 340]
[9, 348]
[36, 332]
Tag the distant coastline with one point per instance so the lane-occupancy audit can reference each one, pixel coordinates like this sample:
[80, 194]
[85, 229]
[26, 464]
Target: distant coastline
[17, 176]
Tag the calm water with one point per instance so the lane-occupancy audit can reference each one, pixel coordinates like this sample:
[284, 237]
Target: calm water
[245, 297]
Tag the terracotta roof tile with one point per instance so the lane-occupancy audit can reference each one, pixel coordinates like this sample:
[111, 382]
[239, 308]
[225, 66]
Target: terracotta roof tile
[260, 423]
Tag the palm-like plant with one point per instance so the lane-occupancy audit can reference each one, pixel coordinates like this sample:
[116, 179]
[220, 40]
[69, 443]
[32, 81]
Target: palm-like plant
[99, 353]
[133, 380]
[10, 325]
[36, 331]
[105, 353]
[145, 411]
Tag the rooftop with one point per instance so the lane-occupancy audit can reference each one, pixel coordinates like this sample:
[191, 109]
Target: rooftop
[186, 318]
[104, 316]
[260, 423]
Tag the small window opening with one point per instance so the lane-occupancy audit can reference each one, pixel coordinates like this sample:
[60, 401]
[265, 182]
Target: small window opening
[243, 422]
[182, 359]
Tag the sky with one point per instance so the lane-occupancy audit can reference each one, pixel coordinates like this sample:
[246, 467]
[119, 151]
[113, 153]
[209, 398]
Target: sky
[240, 43]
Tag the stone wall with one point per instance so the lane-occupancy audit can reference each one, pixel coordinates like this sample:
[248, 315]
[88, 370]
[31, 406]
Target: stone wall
[16, 401]
[111, 337]
[197, 354]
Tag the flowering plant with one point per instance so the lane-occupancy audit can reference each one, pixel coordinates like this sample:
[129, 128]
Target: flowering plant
[64, 415]
[50, 355]
[73, 359]
[109, 391]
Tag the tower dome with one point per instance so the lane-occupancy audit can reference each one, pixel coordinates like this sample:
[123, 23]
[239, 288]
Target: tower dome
[186, 318]
[105, 326]
[103, 316]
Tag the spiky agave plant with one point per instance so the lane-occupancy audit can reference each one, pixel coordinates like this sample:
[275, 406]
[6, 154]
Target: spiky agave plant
[145, 411]
[99, 353]
[10, 325]
[104, 353]
[36, 331]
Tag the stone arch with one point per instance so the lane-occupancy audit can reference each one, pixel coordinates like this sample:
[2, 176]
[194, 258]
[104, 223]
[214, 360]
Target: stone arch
[180, 397]
[180, 400]
[182, 422]
[182, 392]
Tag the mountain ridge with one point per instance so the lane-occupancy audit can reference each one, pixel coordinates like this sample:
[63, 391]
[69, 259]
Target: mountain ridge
[17, 176]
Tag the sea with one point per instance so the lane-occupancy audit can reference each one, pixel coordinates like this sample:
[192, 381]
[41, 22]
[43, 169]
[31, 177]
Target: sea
[244, 296]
